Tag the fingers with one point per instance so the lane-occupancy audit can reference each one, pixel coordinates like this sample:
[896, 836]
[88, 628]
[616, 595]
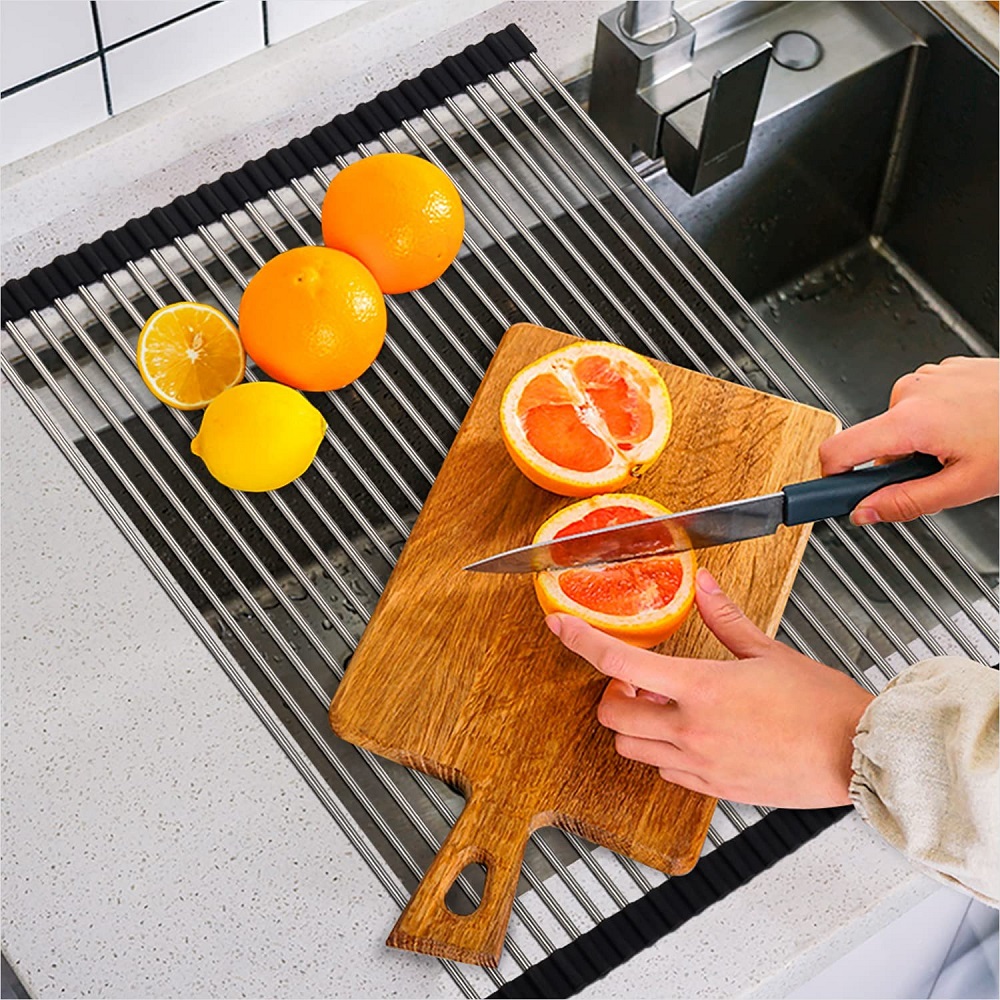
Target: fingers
[883, 435]
[687, 780]
[906, 501]
[726, 621]
[657, 753]
[665, 675]
[659, 699]
[671, 764]
[905, 385]
[670, 676]
[635, 716]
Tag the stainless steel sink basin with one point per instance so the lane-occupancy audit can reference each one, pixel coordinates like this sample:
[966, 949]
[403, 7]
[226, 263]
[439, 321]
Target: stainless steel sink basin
[863, 225]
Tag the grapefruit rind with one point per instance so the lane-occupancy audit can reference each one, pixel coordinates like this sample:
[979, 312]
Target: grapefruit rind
[645, 629]
[621, 469]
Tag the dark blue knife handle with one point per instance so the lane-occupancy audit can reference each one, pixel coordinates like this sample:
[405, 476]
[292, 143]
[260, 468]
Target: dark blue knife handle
[834, 496]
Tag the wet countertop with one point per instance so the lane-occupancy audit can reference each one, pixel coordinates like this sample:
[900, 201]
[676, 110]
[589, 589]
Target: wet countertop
[156, 840]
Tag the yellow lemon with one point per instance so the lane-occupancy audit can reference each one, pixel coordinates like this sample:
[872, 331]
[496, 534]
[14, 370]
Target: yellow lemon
[259, 436]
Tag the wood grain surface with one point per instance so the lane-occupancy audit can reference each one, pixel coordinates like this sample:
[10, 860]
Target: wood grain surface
[456, 674]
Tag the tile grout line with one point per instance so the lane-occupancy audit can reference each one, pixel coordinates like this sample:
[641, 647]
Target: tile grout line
[102, 56]
[48, 75]
[163, 24]
[103, 49]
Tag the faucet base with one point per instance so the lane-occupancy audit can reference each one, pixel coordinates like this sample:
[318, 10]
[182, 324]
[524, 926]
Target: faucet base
[628, 69]
[637, 77]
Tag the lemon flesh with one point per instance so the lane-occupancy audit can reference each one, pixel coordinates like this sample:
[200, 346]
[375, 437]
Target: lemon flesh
[259, 436]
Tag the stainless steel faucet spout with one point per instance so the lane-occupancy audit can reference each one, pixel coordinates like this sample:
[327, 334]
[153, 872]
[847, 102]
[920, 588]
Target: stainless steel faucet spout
[702, 131]
[649, 21]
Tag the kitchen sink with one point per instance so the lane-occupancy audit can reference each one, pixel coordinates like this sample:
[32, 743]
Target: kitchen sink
[863, 226]
[858, 241]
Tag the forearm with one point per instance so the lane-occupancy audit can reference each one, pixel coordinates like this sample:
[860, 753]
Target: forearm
[926, 771]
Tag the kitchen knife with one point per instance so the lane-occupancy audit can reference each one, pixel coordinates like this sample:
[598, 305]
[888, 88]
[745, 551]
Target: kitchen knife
[799, 503]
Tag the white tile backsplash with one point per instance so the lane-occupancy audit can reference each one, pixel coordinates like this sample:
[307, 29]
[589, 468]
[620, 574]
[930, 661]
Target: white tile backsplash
[183, 51]
[51, 110]
[289, 17]
[121, 19]
[148, 47]
[38, 36]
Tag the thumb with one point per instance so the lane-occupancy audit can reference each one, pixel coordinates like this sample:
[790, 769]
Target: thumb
[726, 621]
[909, 500]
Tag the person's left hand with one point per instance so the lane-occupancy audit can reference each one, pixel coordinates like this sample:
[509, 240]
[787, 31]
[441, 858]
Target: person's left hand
[771, 727]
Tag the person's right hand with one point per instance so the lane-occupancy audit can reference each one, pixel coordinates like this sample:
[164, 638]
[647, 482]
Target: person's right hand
[949, 411]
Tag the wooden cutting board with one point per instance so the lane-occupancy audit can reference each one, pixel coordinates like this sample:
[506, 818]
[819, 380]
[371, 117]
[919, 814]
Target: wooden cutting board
[457, 675]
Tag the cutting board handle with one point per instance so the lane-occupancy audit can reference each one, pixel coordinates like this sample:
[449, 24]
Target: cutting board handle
[485, 834]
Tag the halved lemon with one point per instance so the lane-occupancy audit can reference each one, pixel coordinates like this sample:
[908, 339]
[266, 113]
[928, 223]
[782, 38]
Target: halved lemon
[188, 353]
[642, 601]
[586, 419]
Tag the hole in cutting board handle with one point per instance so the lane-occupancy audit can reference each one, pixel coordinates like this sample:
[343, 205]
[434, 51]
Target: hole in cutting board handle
[490, 836]
[461, 900]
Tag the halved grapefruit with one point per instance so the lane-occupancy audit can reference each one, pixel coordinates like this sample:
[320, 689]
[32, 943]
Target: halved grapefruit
[586, 419]
[643, 600]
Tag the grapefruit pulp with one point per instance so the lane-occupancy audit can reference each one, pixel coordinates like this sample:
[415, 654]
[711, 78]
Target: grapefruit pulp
[643, 600]
[586, 419]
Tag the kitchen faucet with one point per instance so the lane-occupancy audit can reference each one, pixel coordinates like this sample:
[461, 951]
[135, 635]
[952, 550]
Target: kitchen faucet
[647, 94]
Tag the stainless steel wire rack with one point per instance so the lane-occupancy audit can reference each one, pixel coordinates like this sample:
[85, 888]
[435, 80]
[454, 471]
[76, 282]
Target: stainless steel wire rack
[561, 232]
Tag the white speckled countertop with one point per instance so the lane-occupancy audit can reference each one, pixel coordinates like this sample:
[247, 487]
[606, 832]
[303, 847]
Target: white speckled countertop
[156, 841]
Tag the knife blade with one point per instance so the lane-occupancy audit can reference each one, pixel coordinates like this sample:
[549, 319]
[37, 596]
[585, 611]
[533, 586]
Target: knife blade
[720, 524]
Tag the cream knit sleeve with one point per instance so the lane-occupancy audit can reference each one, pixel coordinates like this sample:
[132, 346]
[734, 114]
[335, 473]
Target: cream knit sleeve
[926, 772]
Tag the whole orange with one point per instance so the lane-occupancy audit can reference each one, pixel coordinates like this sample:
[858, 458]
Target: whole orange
[313, 318]
[399, 215]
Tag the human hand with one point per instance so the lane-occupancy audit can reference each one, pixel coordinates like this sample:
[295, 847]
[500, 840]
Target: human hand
[771, 727]
[948, 410]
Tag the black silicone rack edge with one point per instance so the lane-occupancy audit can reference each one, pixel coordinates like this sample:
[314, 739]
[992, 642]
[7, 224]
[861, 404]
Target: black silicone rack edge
[644, 921]
[86, 265]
